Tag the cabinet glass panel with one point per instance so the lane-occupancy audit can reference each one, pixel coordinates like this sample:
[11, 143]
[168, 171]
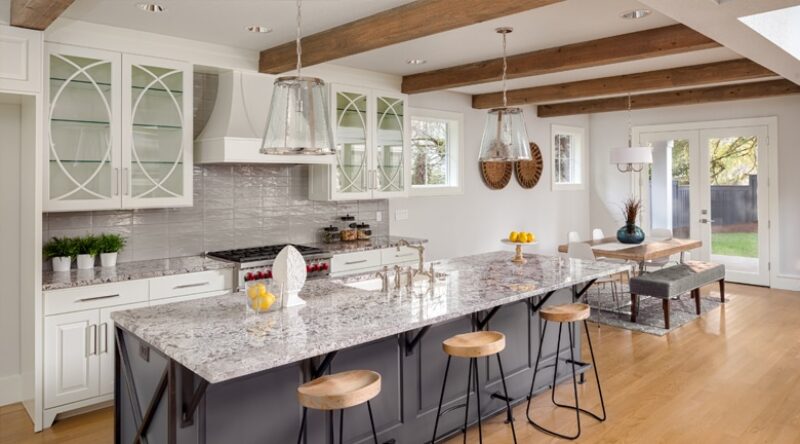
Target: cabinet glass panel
[389, 144]
[80, 129]
[157, 145]
[351, 142]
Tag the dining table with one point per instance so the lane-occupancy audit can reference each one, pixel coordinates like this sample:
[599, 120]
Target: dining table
[650, 249]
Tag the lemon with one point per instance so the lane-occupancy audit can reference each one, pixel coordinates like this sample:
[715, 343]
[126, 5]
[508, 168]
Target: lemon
[528, 237]
[252, 292]
[265, 301]
[531, 237]
[513, 236]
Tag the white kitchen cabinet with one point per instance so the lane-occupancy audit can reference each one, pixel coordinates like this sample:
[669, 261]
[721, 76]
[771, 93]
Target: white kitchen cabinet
[372, 148]
[71, 362]
[21, 59]
[117, 129]
[343, 264]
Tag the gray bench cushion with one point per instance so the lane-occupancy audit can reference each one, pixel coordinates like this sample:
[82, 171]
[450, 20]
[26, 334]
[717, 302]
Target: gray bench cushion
[671, 282]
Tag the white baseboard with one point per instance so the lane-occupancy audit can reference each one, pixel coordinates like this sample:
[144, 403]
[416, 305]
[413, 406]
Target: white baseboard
[786, 282]
[10, 389]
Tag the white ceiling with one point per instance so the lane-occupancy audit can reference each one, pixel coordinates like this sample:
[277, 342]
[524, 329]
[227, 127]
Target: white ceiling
[571, 21]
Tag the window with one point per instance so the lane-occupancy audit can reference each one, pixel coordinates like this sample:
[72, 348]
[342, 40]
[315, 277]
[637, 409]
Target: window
[436, 161]
[568, 157]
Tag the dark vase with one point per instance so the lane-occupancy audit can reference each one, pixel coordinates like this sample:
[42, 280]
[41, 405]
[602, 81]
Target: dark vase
[630, 234]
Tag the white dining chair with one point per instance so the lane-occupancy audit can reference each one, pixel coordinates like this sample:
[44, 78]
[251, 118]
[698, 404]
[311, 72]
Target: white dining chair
[661, 234]
[597, 234]
[573, 237]
[583, 251]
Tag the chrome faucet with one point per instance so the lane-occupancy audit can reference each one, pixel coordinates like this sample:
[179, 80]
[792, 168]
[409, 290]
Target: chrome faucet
[420, 249]
[384, 275]
[397, 277]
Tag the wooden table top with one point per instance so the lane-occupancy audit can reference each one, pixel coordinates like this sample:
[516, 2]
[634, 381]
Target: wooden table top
[643, 252]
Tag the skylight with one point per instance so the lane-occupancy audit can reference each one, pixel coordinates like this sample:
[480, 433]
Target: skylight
[781, 27]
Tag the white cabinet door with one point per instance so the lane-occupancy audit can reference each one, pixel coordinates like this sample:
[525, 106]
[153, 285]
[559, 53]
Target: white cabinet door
[21, 55]
[352, 177]
[156, 133]
[106, 345]
[82, 129]
[71, 362]
[390, 154]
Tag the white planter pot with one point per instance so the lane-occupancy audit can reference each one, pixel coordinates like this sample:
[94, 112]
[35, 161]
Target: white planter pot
[61, 264]
[108, 259]
[85, 261]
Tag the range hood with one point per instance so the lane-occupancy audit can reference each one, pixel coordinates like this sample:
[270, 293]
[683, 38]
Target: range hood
[234, 131]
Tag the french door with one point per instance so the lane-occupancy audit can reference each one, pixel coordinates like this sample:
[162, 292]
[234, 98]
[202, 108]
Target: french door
[709, 181]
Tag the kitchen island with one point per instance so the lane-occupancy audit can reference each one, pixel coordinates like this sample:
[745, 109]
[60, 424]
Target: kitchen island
[211, 372]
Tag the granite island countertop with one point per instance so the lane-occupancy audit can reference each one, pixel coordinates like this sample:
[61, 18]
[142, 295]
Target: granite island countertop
[375, 243]
[219, 339]
[128, 271]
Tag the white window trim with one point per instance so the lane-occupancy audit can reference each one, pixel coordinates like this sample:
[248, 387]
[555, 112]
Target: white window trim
[580, 134]
[456, 156]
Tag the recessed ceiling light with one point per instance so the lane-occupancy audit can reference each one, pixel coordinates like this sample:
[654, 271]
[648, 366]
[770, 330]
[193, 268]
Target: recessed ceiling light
[416, 61]
[151, 7]
[259, 29]
[636, 14]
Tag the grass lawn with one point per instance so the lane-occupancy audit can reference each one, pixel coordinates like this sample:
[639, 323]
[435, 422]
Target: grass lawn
[735, 244]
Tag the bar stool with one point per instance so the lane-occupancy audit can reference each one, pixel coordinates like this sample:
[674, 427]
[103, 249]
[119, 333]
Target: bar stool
[338, 392]
[567, 313]
[472, 346]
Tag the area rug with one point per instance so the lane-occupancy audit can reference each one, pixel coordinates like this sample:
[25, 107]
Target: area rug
[605, 310]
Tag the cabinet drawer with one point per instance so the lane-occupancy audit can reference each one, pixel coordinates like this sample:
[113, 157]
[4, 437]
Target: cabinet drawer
[95, 296]
[191, 283]
[341, 263]
[390, 256]
[188, 297]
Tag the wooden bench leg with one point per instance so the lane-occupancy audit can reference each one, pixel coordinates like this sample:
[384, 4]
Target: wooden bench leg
[722, 290]
[696, 295]
[634, 307]
[665, 303]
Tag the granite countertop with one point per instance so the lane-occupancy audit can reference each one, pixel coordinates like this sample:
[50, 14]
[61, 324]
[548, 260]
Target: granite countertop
[375, 243]
[219, 339]
[128, 271]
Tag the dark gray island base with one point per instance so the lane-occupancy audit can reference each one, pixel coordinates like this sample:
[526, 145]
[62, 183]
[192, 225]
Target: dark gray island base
[211, 373]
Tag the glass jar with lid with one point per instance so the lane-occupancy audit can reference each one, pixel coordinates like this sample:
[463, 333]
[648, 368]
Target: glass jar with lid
[364, 231]
[330, 234]
[348, 231]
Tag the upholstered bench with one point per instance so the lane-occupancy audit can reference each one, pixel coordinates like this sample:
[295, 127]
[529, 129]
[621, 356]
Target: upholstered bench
[671, 282]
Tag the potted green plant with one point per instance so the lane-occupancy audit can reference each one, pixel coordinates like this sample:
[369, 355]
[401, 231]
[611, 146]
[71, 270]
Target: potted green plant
[109, 246]
[60, 250]
[87, 251]
[630, 233]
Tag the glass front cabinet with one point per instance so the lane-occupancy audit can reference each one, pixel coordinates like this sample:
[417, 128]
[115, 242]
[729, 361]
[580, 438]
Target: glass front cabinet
[372, 162]
[119, 131]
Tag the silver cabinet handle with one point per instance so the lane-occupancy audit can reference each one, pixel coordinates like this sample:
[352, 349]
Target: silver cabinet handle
[104, 337]
[115, 180]
[91, 340]
[355, 262]
[198, 284]
[95, 298]
[405, 255]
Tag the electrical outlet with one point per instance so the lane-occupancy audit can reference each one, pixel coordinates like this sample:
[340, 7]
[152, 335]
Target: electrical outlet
[401, 215]
[379, 216]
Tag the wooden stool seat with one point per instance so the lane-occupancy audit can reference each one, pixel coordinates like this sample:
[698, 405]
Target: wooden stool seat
[340, 390]
[565, 313]
[475, 345]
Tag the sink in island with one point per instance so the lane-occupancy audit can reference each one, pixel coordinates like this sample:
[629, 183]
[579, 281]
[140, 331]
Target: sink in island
[209, 371]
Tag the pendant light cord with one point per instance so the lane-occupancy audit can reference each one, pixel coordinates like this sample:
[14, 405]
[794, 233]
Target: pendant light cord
[630, 124]
[505, 69]
[299, 48]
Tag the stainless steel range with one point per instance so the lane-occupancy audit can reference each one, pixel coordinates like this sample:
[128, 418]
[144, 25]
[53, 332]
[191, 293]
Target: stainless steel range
[256, 263]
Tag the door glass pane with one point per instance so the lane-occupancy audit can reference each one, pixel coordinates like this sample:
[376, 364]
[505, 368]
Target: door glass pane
[669, 187]
[733, 176]
[389, 144]
[80, 128]
[351, 142]
[157, 145]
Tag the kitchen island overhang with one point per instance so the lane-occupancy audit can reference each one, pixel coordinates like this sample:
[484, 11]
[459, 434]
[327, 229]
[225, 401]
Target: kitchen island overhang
[211, 358]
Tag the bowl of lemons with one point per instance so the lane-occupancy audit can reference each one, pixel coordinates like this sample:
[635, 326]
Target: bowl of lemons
[259, 297]
[520, 239]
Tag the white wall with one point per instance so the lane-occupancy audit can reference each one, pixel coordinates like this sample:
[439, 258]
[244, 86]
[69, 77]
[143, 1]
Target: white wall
[10, 117]
[476, 220]
[609, 187]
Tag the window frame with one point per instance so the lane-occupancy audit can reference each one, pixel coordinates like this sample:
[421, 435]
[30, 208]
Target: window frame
[455, 141]
[577, 157]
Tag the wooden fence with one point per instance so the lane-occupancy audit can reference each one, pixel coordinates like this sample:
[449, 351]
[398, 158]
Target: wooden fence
[730, 204]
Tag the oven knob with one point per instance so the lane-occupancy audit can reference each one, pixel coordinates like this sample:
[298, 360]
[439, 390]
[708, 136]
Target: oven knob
[269, 274]
[248, 277]
[308, 268]
[314, 267]
[260, 275]
[323, 266]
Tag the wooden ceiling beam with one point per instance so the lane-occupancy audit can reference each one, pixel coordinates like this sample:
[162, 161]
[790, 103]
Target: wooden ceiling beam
[656, 42]
[752, 90]
[37, 14]
[685, 76]
[403, 23]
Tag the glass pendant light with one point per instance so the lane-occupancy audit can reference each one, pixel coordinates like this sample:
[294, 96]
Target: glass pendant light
[298, 121]
[505, 138]
[631, 159]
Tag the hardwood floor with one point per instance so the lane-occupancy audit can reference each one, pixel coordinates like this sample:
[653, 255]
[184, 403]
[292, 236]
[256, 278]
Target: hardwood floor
[731, 376]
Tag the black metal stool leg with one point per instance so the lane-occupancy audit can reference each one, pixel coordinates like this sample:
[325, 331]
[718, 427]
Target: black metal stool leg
[555, 365]
[596, 375]
[508, 400]
[535, 370]
[302, 426]
[574, 381]
[341, 426]
[466, 402]
[441, 399]
[372, 423]
[330, 426]
[478, 399]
